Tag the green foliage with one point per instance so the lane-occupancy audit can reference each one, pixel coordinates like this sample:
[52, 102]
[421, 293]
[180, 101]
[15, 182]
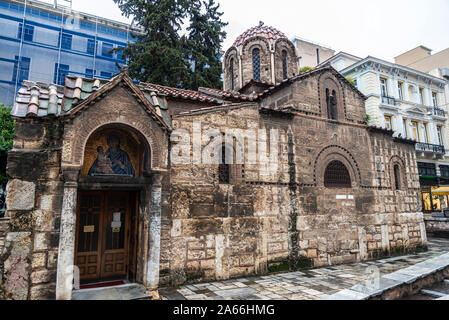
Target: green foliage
[161, 55]
[368, 118]
[204, 42]
[305, 69]
[352, 81]
[7, 126]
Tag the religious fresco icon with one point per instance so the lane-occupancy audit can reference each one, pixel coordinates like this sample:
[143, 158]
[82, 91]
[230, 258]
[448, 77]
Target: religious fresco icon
[114, 161]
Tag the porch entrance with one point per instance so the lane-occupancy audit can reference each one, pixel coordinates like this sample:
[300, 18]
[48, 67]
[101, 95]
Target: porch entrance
[106, 235]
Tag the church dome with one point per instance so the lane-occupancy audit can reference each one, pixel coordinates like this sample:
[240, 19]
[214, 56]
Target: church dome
[270, 33]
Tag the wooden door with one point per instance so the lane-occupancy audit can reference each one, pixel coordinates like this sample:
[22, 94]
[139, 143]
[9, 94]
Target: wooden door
[88, 234]
[103, 234]
[116, 218]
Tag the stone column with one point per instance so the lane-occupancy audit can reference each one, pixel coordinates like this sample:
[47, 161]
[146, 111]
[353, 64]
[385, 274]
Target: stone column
[154, 245]
[66, 251]
[273, 75]
[240, 71]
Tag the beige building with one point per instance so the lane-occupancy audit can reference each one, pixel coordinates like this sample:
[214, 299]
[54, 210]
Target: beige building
[311, 54]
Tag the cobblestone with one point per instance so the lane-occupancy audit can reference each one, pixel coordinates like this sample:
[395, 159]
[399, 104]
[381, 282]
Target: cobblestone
[303, 285]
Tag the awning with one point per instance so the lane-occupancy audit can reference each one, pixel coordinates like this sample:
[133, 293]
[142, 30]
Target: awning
[442, 191]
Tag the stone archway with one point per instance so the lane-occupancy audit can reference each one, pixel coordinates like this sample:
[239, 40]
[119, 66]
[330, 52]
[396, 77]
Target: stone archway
[147, 180]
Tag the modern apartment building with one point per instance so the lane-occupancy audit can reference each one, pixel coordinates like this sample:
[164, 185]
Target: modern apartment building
[413, 104]
[44, 42]
[311, 54]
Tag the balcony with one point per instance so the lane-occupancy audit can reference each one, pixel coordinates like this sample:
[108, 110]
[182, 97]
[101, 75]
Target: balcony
[389, 100]
[430, 148]
[439, 112]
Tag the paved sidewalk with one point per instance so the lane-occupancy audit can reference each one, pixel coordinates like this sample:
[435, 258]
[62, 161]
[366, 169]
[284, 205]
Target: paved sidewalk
[302, 285]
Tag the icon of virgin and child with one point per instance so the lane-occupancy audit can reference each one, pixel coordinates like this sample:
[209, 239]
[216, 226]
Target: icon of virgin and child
[114, 161]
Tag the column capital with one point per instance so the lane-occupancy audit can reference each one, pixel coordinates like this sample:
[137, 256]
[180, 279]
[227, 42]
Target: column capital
[70, 175]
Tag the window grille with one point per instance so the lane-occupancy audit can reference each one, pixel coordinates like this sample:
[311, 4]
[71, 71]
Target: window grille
[256, 63]
[337, 176]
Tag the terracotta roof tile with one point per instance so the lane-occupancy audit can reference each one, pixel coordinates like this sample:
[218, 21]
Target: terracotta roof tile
[36, 99]
[178, 93]
[261, 30]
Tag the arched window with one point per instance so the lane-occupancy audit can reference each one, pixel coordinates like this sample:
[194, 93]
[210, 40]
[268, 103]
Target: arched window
[224, 169]
[231, 73]
[337, 176]
[284, 64]
[397, 177]
[256, 63]
[331, 102]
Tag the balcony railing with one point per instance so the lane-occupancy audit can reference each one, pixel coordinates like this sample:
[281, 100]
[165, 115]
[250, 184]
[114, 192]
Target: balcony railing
[439, 112]
[389, 100]
[427, 147]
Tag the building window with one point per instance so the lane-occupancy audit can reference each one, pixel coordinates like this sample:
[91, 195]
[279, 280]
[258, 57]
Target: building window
[400, 92]
[421, 95]
[89, 73]
[106, 49]
[29, 32]
[435, 99]
[60, 73]
[105, 74]
[337, 176]
[440, 135]
[331, 101]
[388, 123]
[66, 41]
[284, 65]
[224, 170]
[256, 63]
[427, 169]
[23, 68]
[404, 121]
[231, 73]
[426, 136]
[397, 177]
[90, 46]
[444, 171]
[383, 87]
[415, 130]
[120, 53]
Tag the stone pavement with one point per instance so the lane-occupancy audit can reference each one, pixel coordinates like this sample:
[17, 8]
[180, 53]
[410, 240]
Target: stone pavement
[301, 285]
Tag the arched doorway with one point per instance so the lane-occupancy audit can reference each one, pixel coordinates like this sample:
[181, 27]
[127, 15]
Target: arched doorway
[113, 181]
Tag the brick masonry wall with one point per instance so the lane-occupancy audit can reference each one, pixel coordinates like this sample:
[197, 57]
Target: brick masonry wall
[222, 231]
[34, 206]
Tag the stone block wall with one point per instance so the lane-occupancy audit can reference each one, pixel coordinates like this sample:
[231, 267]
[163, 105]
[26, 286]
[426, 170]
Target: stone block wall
[220, 231]
[34, 206]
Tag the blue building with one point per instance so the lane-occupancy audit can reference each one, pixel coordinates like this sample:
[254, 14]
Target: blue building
[44, 42]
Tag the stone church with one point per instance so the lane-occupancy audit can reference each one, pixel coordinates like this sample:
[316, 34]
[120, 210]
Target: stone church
[95, 193]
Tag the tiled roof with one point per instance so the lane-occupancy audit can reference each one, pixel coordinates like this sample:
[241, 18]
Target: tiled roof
[40, 99]
[261, 30]
[224, 95]
[178, 93]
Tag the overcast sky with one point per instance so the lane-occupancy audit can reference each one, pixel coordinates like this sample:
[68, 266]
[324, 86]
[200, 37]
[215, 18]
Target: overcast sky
[381, 28]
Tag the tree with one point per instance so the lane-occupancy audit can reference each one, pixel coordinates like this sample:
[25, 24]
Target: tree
[161, 55]
[158, 53]
[204, 39]
[7, 125]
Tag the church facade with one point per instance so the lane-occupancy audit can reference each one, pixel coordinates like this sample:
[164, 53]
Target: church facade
[161, 186]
